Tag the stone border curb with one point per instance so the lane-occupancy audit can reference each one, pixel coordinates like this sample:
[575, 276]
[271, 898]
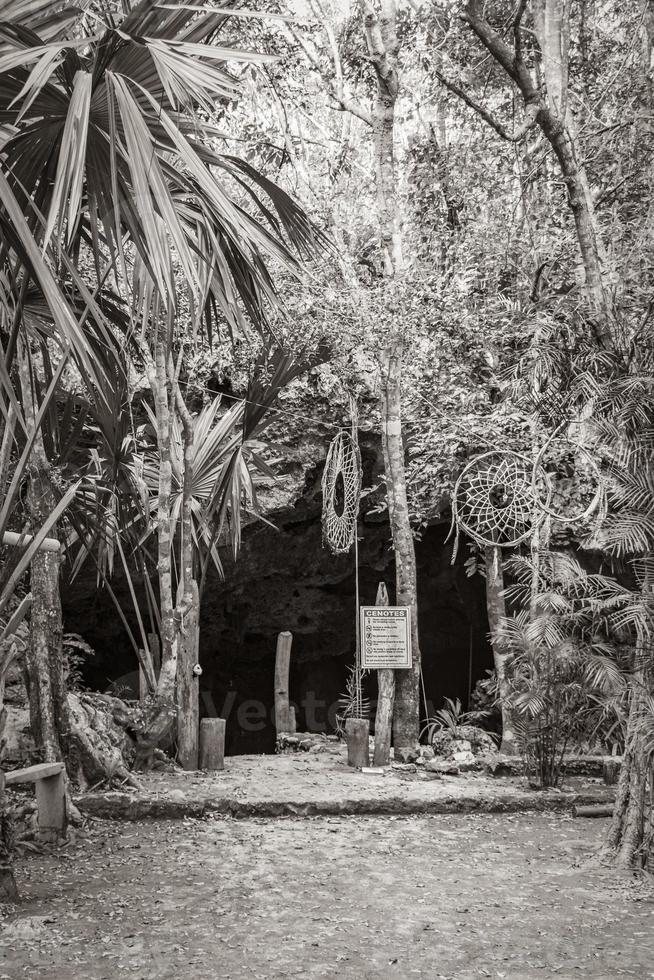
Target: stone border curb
[124, 806]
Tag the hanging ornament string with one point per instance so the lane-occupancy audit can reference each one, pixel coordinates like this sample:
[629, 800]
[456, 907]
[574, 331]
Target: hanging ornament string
[341, 493]
[358, 675]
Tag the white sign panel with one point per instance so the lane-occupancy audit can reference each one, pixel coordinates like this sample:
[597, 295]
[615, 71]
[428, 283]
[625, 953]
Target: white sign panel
[385, 637]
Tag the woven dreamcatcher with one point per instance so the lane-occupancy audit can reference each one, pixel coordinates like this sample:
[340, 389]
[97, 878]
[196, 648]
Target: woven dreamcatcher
[497, 499]
[341, 491]
[502, 498]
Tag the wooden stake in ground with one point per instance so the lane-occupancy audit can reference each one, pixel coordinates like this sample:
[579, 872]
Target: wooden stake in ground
[357, 732]
[212, 744]
[282, 669]
[385, 699]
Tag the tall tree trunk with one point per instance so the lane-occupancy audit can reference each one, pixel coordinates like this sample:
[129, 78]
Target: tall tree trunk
[381, 38]
[406, 712]
[49, 713]
[168, 673]
[160, 716]
[496, 608]
[188, 599]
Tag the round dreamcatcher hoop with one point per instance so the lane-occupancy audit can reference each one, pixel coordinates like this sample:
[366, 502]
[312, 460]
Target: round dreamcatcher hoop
[341, 491]
[497, 499]
[501, 498]
[597, 505]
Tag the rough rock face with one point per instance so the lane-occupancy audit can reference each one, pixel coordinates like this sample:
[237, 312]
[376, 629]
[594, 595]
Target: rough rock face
[17, 745]
[461, 749]
[284, 579]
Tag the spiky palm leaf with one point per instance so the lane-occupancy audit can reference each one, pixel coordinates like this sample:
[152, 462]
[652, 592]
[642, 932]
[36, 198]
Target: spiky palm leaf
[111, 137]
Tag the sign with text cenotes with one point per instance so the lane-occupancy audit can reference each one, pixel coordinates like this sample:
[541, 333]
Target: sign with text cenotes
[385, 637]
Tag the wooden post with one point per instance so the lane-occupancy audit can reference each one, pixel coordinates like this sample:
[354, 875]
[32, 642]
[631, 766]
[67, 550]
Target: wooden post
[611, 769]
[357, 731]
[292, 723]
[50, 782]
[212, 743]
[385, 699]
[51, 806]
[282, 669]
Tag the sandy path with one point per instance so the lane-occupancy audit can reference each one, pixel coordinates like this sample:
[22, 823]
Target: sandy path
[507, 896]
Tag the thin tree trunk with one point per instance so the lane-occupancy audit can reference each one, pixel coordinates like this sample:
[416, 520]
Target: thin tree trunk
[385, 701]
[406, 712]
[567, 153]
[383, 46]
[160, 716]
[496, 608]
[166, 682]
[49, 712]
[188, 720]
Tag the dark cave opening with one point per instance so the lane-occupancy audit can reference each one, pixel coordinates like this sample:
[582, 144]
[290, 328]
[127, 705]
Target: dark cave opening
[285, 579]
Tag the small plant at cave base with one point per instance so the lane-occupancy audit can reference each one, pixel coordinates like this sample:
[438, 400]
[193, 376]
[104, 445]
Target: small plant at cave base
[76, 652]
[442, 729]
[448, 718]
[451, 724]
[347, 703]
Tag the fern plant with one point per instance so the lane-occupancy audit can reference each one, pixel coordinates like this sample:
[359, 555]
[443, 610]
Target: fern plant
[448, 718]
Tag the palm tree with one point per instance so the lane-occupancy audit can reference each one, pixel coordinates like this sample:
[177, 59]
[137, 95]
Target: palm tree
[110, 152]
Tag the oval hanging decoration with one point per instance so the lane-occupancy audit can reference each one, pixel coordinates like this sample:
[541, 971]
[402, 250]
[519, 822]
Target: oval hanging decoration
[498, 498]
[341, 491]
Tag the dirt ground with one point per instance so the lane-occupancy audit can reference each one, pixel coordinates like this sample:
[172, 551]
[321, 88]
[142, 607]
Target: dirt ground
[461, 896]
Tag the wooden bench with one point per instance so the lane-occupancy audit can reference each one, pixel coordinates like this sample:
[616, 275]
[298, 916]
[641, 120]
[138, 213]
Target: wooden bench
[50, 784]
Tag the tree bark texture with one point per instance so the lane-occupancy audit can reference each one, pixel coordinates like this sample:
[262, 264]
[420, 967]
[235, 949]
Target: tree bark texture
[49, 713]
[624, 845]
[381, 38]
[160, 714]
[188, 684]
[383, 46]
[385, 701]
[187, 620]
[406, 713]
[496, 608]
[167, 676]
